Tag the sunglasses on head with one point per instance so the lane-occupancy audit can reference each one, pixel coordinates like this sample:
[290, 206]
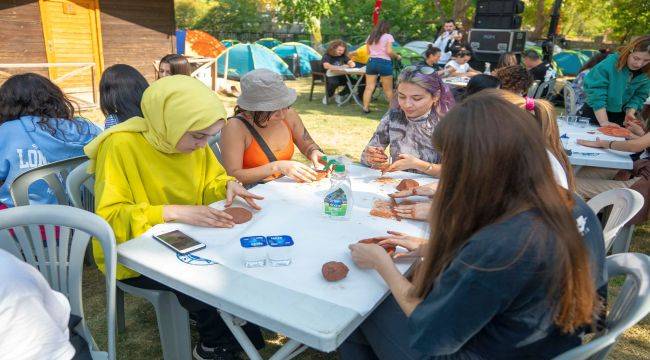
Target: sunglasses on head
[426, 70]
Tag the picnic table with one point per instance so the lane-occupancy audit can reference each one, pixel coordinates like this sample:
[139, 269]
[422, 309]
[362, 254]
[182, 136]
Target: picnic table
[586, 156]
[352, 84]
[292, 300]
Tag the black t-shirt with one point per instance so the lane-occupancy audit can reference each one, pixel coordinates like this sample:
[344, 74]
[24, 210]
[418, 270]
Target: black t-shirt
[336, 60]
[539, 71]
[493, 299]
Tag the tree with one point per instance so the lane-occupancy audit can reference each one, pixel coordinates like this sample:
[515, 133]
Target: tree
[231, 16]
[308, 12]
[188, 12]
[628, 18]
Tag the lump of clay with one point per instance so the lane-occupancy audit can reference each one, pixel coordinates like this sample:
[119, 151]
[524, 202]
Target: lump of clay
[390, 249]
[239, 215]
[407, 184]
[334, 271]
[321, 174]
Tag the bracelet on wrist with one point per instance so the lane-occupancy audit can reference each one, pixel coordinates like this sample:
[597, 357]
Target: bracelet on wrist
[609, 145]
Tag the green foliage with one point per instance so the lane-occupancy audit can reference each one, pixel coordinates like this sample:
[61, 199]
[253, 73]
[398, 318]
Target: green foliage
[409, 19]
[628, 18]
[188, 12]
[231, 16]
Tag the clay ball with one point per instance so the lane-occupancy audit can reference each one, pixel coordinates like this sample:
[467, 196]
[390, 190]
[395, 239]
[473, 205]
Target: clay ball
[407, 184]
[334, 271]
[390, 249]
[239, 215]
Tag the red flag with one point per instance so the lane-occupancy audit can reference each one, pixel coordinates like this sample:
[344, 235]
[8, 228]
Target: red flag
[375, 13]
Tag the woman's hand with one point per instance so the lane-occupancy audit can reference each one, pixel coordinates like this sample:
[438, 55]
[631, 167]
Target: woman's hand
[295, 170]
[407, 162]
[427, 190]
[609, 124]
[634, 125]
[418, 211]
[314, 156]
[395, 238]
[594, 144]
[374, 155]
[199, 215]
[235, 189]
[369, 256]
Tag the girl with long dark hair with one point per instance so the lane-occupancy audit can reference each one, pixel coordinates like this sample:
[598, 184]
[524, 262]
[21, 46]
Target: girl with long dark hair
[512, 264]
[174, 64]
[120, 92]
[37, 127]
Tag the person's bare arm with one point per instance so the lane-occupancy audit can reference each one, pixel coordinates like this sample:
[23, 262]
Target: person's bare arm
[328, 66]
[635, 145]
[301, 137]
[233, 144]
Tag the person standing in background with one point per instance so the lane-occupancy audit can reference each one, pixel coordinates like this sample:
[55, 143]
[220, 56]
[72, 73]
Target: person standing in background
[448, 34]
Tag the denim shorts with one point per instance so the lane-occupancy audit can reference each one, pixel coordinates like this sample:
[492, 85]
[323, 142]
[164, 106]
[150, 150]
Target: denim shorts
[381, 67]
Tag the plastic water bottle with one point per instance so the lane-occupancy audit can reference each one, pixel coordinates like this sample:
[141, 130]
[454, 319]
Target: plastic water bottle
[487, 69]
[337, 204]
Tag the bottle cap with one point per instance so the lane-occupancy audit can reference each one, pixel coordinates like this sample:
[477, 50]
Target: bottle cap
[339, 168]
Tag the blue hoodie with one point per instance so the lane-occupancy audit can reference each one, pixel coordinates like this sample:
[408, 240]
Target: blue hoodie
[25, 145]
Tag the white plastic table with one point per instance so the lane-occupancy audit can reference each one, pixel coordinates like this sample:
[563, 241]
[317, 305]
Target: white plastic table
[306, 320]
[353, 86]
[587, 156]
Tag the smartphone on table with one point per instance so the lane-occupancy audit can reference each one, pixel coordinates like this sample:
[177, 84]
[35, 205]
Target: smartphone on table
[179, 242]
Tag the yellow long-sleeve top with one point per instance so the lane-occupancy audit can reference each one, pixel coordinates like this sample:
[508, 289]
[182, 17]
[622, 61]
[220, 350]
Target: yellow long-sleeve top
[133, 181]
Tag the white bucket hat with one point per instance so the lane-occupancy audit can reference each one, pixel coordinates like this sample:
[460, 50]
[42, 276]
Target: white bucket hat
[264, 90]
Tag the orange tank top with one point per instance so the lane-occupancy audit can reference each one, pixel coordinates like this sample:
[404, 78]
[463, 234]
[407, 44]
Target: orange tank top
[254, 156]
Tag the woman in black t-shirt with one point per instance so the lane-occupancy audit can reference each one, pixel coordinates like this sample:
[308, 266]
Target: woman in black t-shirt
[512, 264]
[336, 56]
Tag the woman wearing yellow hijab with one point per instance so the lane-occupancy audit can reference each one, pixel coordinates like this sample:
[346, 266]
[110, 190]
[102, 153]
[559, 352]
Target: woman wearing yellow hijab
[158, 169]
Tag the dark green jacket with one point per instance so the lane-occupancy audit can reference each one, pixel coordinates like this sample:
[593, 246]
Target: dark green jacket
[607, 87]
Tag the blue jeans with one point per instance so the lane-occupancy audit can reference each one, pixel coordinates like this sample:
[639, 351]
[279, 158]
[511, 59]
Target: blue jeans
[381, 67]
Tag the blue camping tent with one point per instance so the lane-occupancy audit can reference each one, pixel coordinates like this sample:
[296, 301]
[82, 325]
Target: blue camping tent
[305, 54]
[570, 61]
[243, 58]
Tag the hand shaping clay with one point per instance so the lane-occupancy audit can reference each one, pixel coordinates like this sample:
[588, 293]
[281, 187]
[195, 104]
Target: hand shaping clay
[390, 249]
[407, 184]
[334, 271]
[240, 215]
[321, 174]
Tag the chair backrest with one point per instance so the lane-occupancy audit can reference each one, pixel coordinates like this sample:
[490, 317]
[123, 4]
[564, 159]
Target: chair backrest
[214, 145]
[317, 69]
[54, 174]
[625, 204]
[631, 306]
[533, 88]
[80, 186]
[545, 89]
[570, 105]
[59, 255]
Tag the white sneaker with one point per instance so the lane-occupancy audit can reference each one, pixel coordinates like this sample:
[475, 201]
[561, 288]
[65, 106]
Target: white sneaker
[325, 100]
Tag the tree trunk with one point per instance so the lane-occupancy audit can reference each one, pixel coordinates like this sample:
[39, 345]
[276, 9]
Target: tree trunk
[460, 12]
[540, 20]
[314, 28]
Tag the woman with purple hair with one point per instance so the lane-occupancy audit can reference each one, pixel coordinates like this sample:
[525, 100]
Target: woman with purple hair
[419, 103]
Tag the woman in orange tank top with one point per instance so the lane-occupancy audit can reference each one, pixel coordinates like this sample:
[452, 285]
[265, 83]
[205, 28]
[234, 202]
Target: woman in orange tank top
[263, 119]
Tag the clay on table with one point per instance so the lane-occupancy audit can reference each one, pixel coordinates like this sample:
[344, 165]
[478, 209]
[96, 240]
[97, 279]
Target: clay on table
[390, 249]
[239, 215]
[385, 180]
[407, 184]
[384, 209]
[334, 271]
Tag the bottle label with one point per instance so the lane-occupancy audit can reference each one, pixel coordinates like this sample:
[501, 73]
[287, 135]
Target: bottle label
[336, 203]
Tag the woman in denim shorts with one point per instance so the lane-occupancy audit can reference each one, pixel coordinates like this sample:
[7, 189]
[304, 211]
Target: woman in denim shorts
[380, 47]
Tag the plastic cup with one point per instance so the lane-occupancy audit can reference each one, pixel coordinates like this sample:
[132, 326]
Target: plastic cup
[583, 122]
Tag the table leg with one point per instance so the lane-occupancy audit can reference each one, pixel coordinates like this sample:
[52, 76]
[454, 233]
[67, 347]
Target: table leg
[353, 91]
[288, 351]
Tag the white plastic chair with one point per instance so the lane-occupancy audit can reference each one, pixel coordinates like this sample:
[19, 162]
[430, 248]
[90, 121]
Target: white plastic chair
[214, 145]
[570, 105]
[61, 262]
[533, 89]
[625, 204]
[172, 318]
[630, 307]
[545, 89]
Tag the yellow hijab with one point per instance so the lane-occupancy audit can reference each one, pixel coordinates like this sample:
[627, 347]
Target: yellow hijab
[171, 107]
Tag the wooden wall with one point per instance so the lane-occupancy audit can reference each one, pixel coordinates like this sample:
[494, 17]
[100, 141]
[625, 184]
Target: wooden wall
[137, 32]
[21, 34]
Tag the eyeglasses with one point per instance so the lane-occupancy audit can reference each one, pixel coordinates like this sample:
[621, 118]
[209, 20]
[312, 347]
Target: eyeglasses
[426, 70]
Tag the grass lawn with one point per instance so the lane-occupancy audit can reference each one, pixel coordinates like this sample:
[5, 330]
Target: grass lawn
[339, 130]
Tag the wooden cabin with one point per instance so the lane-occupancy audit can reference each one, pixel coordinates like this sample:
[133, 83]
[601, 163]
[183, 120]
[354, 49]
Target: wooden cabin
[99, 32]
